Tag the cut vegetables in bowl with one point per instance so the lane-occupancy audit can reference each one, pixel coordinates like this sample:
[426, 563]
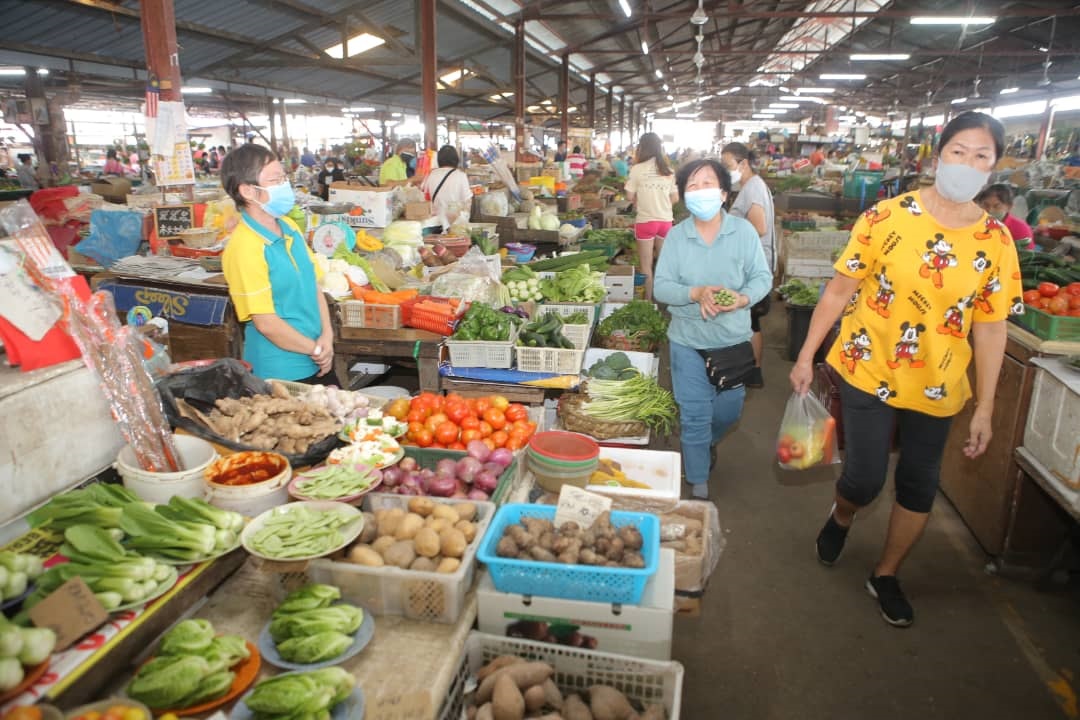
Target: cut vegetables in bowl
[371, 426]
[378, 452]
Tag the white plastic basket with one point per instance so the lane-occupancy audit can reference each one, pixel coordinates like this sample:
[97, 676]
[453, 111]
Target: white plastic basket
[549, 360]
[430, 596]
[483, 353]
[578, 334]
[576, 670]
[568, 309]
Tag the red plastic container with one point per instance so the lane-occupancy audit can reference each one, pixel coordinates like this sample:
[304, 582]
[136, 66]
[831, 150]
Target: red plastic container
[564, 446]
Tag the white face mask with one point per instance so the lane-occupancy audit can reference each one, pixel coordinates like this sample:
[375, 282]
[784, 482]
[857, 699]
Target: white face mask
[736, 175]
[959, 182]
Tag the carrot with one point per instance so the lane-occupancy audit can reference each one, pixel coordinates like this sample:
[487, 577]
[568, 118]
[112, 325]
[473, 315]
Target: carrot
[827, 438]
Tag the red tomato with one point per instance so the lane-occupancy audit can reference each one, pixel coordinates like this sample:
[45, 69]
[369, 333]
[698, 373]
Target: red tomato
[467, 436]
[415, 428]
[482, 406]
[1031, 297]
[418, 414]
[516, 412]
[1043, 303]
[1058, 306]
[1074, 313]
[424, 438]
[783, 455]
[486, 430]
[1048, 289]
[1074, 302]
[500, 402]
[495, 418]
[456, 446]
[489, 442]
[786, 441]
[1073, 288]
[469, 423]
[499, 437]
[516, 442]
[457, 412]
[446, 433]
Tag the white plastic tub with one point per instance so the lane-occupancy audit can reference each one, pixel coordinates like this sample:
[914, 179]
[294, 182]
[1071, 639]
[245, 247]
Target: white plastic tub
[196, 455]
[659, 469]
[248, 500]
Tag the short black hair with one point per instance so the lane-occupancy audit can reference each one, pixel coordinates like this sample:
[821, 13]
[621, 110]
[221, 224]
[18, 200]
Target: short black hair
[971, 120]
[242, 167]
[562, 142]
[448, 156]
[110, 153]
[24, 157]
[740, 152]
[682, 177]
[1002, 191]
[577, 148]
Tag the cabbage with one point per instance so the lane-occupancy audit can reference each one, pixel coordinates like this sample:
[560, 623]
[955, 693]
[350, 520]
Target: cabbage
[407, 232]
[357, 275]
[189, 636]
[549, 221]
[534, 218]
[314, 648]
[335, 283]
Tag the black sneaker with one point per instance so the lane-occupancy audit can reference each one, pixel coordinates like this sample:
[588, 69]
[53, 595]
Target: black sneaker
[895, 608]
[755, 379]
[830, 541]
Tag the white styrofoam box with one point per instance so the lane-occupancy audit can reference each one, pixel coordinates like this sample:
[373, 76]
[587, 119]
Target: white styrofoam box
[58, 431]
[638, 630]
[659, 469]
[811, 268]
[645, 363]
[376, 203]
[619, 282]
[1052, 434]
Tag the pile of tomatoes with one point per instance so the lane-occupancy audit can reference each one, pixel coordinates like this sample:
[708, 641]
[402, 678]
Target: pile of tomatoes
[452, 422]
[1055, 299]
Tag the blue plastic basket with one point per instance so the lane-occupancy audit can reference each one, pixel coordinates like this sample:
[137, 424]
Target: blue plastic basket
[570, 582]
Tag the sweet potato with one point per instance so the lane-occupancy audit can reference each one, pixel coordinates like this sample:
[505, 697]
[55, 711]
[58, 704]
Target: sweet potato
[574, 708]
[497, 664]
[607, 703]
[654, 712]
[552, 697]
[507, 702]
[534, 698]
[524, 675]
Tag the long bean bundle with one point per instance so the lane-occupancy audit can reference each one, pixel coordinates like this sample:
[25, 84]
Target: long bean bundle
[639, 398]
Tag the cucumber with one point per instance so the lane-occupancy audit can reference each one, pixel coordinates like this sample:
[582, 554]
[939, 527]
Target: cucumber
[568, 261]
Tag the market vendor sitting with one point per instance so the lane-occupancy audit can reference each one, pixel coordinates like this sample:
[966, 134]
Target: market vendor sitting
[997, 200]
[400, 166]
[273, 280]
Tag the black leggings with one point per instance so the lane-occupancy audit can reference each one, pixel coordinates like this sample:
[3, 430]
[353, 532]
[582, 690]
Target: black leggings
[868, 432]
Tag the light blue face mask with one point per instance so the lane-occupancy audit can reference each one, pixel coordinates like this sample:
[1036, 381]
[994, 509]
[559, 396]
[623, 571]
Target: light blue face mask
[281, 200]
[704, 204]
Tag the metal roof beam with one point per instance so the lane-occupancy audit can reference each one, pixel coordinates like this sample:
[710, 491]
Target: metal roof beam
[744, 12]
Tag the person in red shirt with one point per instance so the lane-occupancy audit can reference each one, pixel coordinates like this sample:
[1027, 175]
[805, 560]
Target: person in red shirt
[112, 165]
[577, 162]
[997, 200]
[818, 156]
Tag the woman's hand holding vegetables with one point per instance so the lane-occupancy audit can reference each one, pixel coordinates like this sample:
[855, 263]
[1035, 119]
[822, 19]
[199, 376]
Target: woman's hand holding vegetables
[801, 376]
[740, 301]
[705, 296]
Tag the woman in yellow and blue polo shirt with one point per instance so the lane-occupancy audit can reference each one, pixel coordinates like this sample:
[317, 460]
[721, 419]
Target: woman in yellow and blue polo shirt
[273, 281]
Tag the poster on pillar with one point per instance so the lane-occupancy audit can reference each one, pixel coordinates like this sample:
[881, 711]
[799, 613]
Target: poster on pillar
[168, 138]
[177, 168]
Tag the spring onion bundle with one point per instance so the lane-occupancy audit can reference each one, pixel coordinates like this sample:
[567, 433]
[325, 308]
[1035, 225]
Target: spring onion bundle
[640, 398]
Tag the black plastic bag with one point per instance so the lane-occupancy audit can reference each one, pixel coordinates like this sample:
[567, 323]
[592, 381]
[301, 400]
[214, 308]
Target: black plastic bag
[226, 378]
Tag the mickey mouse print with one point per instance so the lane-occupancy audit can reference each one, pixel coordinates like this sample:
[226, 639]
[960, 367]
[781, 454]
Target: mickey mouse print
[923, 286]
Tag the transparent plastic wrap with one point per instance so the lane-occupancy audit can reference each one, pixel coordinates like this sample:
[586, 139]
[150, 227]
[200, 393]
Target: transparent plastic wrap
[807, 435]
[113, 352]
[502, 170]
[474, 280]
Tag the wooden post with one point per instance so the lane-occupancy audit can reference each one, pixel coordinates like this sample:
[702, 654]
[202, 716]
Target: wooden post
[285, 128]
[518, 66]
[273, 126]
[429, 69]
[622, 120]
[590, 103]
[1044, 131]
[564, 98]
[609, 100]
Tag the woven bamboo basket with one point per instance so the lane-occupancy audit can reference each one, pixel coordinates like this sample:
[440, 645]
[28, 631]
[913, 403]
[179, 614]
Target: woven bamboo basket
[574, 419]
[619, 340]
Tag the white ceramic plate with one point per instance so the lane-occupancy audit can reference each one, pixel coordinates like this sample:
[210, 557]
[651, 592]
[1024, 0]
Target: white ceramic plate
[349, 532]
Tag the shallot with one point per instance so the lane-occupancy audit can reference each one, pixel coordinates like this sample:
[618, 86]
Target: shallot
[486, 481]
[467, 467]
[478, 450]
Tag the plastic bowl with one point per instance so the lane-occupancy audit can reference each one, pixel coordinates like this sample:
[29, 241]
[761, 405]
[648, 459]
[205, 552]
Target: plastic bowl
[577, 222]
[564, 446]
[249, 499]
[522, 252]
[559, 464]
[553, 480]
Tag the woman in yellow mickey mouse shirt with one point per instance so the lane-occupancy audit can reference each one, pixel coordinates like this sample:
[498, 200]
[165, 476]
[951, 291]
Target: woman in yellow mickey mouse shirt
[920, 273]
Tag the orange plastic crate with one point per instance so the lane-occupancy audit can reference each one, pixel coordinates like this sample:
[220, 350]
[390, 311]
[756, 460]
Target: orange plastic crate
[415, 314]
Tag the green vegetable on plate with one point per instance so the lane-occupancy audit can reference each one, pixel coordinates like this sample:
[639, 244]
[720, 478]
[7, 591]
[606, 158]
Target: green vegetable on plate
[295, 531]
[336, 481]
[309, 597]
[314, 648]
[309, 694]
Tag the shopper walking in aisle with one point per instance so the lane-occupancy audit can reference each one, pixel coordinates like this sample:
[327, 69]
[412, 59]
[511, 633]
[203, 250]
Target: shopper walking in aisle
[577, 163]
[711, 271]
[921, 273]
[447, 186]
[25, 172]
[400, 166]
[997, 200]
[754, 202]
[651, 187]
[272, 277]
[560, 151]
[112, 165]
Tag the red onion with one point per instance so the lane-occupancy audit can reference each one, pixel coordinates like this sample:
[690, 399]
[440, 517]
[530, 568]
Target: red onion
[411, 482]
[408, 464]
[502, 456]
[475, 494]
[494, 467]
[478, 450]
[442, 486]
[446, 465]
[426, 475]
[467, 467]
[486, 481]
[392, 476]
[407, 490]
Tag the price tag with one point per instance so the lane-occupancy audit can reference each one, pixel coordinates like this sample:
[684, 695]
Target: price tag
[409, 706]
[70, 611]
[170, 220]
[580, 506]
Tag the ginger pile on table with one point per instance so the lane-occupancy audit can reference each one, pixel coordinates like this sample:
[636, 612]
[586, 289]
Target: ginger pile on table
[264, 422]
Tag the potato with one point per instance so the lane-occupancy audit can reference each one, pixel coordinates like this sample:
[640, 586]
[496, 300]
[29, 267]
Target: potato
[574, 708]
[452, 542]
[484, 713]
[467, 529]
[364, 555]
[465, 510]
[607, 703]
[382, 544]
[534, 698]
[371, 528]
[506, 548]
[401, 554]
[423, 564]
[507, 702]
[388, 523]
[438, 524]
[448, 565]
[422, 506]
[409, 526]
[525, 675]
[541, 555]
[446, 511]
[427, 542]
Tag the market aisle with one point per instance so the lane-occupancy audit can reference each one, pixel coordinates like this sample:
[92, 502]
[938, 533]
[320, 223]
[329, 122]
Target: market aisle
[781, 636]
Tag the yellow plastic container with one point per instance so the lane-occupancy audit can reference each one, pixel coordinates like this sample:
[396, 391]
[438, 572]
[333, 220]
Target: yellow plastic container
[543, 181]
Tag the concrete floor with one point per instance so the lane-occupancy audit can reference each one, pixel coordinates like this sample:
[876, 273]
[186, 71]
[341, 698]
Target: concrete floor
[782, 637]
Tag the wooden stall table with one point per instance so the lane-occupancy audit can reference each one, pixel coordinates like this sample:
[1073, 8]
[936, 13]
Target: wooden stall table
[404, 346]
[202, 320]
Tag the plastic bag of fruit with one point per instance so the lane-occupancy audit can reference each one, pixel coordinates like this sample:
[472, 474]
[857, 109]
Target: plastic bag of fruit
[807, 434]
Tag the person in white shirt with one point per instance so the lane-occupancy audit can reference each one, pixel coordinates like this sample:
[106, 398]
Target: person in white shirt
[651, 187]
[447, 186]
[25, 172]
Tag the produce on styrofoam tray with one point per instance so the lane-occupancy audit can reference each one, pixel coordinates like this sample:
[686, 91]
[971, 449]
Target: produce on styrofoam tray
[118, 577]
[299, 530]
[331, 482]
[430, 537]
[603, 544]
[513, 687]
[192, 667]
[303, 694]
[21, 648]
[17, 572]
[307, 627]
[277, 422]
[376, 452]
[374, 422]
[474, 476]
[610, 472]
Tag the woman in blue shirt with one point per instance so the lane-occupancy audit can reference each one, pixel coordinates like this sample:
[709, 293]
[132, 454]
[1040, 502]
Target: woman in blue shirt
[709, 252]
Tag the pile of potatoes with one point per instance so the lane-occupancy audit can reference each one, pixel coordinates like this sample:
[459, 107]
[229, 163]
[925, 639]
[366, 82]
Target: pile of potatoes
[431, 536]
[511, 688]
[602, 544]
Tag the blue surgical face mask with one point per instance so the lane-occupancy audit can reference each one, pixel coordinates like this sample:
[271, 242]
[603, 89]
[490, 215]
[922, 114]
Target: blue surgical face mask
[281, 200]
[704, 204]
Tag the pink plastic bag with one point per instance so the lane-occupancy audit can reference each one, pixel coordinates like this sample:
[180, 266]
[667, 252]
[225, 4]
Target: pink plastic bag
[807, 435]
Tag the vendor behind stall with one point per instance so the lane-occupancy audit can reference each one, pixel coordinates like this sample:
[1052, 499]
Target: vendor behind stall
[273, 281]
[997, 200]
[400, 166]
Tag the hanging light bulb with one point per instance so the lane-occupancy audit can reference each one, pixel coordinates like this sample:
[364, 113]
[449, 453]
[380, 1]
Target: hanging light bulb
[699, 58]
[699, 17]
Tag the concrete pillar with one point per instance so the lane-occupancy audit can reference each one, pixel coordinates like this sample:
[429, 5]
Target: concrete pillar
[590, 103]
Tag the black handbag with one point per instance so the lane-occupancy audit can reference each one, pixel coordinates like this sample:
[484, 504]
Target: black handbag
[728, 367]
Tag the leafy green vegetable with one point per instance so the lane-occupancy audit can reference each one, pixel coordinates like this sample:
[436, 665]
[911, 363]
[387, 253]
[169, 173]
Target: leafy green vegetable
[11, 640]
[189, 637]
[638, 398]
[37, 645]
[575, 284]
[578, 317]
[633, 317]
[11, 673]
[225, 651]
[314, 648]
[98, 504]
[336, 618]
[309, 597]
[89, 544]
[153, 532]
[797, 292]
[343, 253]
[307, 693]
[335, 481]
[211, 687]
[482, 322]
[167, 682]
[198, 510]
